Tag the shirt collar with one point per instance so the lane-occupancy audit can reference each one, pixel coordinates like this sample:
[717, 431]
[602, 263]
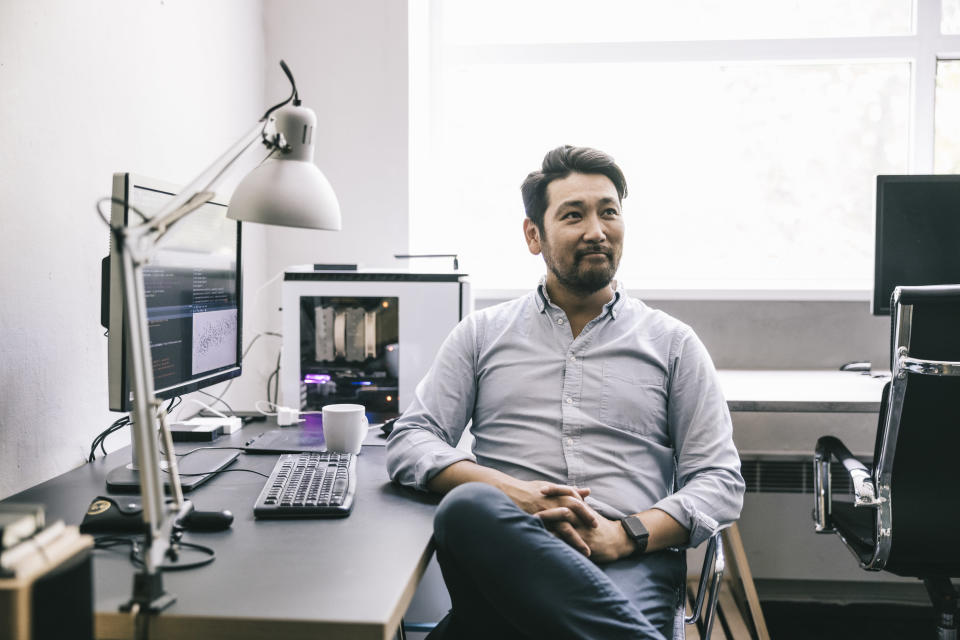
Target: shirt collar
[613, 307]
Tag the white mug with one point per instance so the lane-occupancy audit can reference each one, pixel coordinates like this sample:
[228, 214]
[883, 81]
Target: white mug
[344, 427]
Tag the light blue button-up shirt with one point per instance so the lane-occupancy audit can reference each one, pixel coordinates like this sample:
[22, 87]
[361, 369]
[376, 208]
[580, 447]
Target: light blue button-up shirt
[630, 408]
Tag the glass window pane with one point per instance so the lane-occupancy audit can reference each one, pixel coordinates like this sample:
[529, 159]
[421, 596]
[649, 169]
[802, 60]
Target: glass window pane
[552, 21]
[950, 17]
[946, 144]
[740, 174]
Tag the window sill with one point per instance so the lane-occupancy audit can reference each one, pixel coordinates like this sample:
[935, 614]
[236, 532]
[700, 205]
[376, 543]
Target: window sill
[748, 295]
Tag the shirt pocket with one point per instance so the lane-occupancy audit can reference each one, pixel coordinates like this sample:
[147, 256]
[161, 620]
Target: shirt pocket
[634, 403]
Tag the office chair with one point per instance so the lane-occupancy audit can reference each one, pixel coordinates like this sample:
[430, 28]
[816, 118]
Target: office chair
[905, 514]
[708, 592]
[710, 578]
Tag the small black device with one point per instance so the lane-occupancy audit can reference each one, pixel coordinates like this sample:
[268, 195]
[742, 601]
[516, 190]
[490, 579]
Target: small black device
[190, 433]
[205, 520]
[309, 485]
[636, 531]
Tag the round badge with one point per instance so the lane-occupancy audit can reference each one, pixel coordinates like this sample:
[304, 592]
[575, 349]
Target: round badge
[98, 506]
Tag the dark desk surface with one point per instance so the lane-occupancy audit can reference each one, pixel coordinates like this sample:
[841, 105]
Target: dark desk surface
[342, 578]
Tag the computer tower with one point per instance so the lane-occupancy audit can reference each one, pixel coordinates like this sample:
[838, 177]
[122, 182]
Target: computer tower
[364, 336]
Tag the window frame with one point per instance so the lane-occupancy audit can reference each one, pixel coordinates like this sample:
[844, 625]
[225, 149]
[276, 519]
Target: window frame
[922, 50]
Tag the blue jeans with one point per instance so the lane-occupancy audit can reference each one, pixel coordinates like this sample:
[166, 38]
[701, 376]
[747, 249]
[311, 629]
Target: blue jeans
[509, 577]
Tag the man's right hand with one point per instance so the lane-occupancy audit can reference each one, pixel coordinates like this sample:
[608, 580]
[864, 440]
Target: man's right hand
[534, 496]
[554, 502]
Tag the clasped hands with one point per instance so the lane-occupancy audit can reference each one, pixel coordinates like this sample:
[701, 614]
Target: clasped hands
[564, 512]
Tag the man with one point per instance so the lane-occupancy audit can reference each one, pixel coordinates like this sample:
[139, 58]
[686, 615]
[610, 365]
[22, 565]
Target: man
[589, 409]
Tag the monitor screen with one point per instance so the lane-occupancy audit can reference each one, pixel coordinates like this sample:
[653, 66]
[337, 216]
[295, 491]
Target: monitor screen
[917, 234]
[192, 285]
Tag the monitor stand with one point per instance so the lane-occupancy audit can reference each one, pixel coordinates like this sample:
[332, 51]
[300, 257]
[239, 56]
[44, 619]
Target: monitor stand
[204, 462]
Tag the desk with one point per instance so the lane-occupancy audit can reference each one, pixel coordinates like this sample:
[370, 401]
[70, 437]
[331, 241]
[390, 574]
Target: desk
[781, 413]
[813, 391]
[346, 578]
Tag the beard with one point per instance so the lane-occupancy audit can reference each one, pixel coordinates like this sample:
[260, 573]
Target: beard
[582, 277]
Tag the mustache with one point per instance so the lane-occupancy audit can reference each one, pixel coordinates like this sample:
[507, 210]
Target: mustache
[607, 251]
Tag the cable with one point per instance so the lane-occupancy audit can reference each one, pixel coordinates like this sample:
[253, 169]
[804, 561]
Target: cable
[276, 142]
[121, 201]
[294, 95]
[99, 440]
[276, 381]
[276, 408]
[216, 473]
[256, 405]
[216, 399]
[242, 358]
[274, 375]
[181, 455]
[107, 543]
[256, 294]
[118, 424]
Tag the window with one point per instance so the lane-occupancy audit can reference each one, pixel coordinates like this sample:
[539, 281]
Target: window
[750, 131]
[947, 139]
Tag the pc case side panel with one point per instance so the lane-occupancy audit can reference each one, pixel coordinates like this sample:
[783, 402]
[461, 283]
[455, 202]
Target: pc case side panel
[290, 351]
[428, 311]
[466, 298]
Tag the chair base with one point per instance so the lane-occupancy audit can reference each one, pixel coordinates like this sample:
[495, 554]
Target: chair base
[944, 598]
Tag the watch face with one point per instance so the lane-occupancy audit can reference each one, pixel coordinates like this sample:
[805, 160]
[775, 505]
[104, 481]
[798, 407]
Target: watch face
[637, 532]
[635, 528]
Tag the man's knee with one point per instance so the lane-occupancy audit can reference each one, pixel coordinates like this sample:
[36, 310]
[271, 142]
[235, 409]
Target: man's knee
[468, 509]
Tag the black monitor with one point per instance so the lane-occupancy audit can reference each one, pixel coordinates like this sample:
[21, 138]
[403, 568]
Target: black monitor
[192, 284]
[917, 234]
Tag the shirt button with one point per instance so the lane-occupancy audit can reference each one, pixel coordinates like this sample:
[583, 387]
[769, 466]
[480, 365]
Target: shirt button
[559, 320]
[569, 442]
[573, 358]
[569, 400]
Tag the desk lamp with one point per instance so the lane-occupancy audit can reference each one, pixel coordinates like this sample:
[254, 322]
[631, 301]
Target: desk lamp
[285, 189]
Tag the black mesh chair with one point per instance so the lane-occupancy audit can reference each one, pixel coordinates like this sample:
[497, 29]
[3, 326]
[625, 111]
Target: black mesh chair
[905, 514]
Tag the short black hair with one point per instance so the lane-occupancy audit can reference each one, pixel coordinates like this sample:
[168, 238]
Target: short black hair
[560, 163]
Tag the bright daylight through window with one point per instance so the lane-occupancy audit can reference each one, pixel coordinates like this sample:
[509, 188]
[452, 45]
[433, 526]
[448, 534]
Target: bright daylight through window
[750, 131]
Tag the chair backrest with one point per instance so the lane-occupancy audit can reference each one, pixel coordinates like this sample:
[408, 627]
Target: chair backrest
[919, 444]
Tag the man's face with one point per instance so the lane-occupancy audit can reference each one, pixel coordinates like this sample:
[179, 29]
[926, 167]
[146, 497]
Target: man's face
[582, 238]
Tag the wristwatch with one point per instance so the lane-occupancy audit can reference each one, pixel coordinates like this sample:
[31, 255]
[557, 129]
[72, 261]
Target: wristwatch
[636, 532]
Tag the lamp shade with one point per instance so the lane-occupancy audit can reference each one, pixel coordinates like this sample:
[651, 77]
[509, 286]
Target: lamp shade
[288, 190]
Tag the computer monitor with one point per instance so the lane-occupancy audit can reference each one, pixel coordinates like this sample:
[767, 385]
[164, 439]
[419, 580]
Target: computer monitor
[917, 234]
[193, 292]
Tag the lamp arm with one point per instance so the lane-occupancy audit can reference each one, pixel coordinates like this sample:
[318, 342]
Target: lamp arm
[136, 245]
[143, 237]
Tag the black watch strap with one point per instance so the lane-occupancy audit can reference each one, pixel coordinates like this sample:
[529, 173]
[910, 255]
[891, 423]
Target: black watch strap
[636, 531]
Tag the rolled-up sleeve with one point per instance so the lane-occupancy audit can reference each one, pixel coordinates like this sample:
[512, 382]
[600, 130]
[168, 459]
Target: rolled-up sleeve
[710, 487]
[424, 439]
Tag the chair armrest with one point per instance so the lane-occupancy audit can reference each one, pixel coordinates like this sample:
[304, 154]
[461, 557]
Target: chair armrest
[710, 577]
[864, 492]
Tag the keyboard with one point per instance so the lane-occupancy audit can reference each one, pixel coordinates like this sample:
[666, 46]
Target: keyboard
[309, 485]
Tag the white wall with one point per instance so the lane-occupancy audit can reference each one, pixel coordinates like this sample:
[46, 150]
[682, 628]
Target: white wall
[157, 87]
[350, 62]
